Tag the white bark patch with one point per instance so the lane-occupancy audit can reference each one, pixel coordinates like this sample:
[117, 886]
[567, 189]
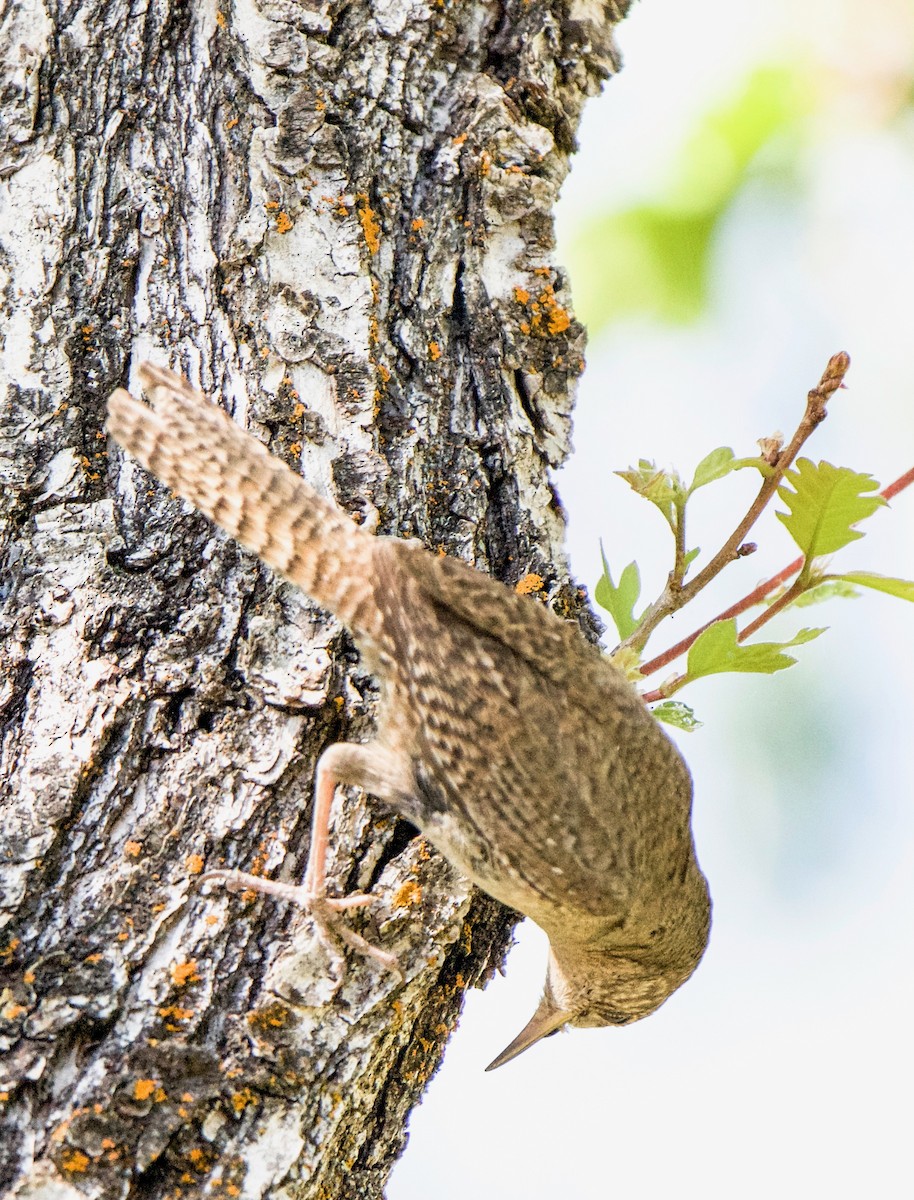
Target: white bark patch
[275, 1149]
[35, 208]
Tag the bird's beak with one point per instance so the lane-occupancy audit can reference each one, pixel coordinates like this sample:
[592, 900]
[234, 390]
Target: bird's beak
[547, 1019]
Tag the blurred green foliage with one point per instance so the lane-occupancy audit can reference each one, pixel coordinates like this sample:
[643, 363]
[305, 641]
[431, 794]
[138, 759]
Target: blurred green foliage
[653, 258]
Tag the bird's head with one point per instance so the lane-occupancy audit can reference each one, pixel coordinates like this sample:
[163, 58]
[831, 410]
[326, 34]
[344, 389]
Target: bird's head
[588, 990]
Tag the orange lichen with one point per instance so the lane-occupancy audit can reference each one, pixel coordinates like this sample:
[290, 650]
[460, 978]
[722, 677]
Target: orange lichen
[174, 1013]
[407, 895]
[75, 1161]
[371, 227]
[29, 976]
[12, 1011]
[273, 205]
[240, 1100]
[557, 318]
[434, 351]
[134, 849]
[418, 223]
[184, 973]
[547, 317]
[271, 1016]
[193, 864]
[143, 1089]
[530, 583]
[283, 222]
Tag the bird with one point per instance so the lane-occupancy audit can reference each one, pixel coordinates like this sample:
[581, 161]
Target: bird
[517, 748]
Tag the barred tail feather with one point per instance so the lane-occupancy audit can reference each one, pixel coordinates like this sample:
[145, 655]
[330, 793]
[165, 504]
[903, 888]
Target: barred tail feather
[195, 449]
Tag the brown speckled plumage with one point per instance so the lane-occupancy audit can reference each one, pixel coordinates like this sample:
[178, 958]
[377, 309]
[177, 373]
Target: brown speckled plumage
[522, 754]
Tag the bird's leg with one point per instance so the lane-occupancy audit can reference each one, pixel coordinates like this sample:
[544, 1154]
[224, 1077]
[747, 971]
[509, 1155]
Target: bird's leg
[342, 763]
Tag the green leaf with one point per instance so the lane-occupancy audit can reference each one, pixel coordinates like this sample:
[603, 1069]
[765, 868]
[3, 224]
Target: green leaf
[825, 504]
[721, 462]
[826, 590]
[674, 712]
[713, 466]
[619, 601]
[718, 650]
[756, 462]
[903, 588]
[663, 488]
[689, 557]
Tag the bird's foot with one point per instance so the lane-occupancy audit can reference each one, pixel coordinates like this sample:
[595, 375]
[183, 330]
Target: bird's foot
[325, 911]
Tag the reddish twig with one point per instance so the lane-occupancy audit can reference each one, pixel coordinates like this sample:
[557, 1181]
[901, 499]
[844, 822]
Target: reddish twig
[899, 485]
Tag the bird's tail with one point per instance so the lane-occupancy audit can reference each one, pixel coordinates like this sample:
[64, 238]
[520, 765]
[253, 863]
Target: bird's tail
[195, 449]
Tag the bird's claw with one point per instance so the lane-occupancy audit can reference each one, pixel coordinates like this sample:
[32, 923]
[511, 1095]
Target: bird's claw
[324, 911]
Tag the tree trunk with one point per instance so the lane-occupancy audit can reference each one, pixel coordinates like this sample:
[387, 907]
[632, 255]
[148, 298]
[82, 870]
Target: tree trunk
[336, 219]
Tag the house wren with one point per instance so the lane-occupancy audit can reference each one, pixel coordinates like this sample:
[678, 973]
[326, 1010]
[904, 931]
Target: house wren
[517, 748]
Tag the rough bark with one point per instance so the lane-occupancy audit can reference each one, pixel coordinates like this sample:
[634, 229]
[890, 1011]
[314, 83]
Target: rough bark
[336, 218]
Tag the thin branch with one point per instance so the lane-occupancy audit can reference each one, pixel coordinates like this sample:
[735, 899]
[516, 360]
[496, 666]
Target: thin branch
[674, 598]
[898, 485]
[797, 588]
[679, 568]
